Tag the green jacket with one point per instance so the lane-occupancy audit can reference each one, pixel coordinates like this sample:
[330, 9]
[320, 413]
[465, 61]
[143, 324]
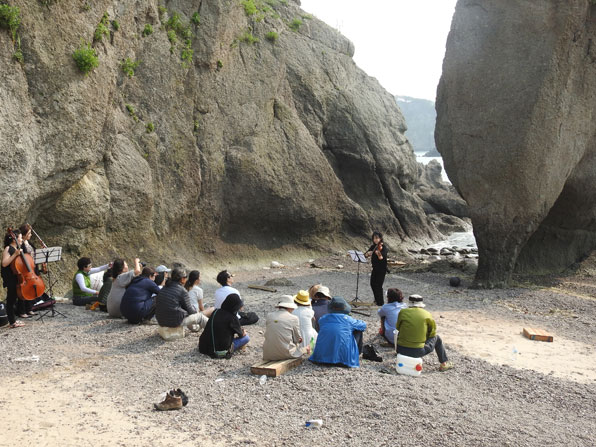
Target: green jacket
[76, 290]
[415, 326]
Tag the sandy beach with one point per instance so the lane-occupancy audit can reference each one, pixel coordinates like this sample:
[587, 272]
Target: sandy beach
[97, 378]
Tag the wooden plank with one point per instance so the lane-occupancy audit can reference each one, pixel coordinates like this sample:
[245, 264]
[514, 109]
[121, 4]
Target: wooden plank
[275, 368]
[537, 334]
[266, 289]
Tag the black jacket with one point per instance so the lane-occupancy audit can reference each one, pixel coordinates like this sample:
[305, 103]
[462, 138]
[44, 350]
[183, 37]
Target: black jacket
[378, 264]
[221, 327]
[173, 305]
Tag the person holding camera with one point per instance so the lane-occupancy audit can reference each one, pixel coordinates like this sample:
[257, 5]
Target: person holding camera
[121, 279]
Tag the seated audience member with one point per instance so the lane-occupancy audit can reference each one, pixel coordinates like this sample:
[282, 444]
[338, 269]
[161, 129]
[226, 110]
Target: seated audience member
[226, 279]
[121, 278]
[138, 303]
[306, 317]
[340, 336]
[282, 333]
[104, 292]
[173, 306]
[223, 334]
[82, 293]
[193, 289]
[389, 312]
[418, 333]
[320, 303]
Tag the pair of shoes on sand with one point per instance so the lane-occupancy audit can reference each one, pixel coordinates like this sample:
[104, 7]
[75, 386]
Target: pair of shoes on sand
[369, 353]
[175, 399]
[446, 366]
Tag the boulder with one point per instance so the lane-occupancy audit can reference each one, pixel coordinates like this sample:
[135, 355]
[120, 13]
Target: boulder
[515, 127]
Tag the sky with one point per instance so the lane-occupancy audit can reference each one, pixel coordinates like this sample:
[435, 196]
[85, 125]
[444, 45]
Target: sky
[399, 42]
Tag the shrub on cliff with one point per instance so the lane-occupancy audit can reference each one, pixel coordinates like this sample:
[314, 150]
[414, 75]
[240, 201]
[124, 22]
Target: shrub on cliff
[86, 58]
[10, 19]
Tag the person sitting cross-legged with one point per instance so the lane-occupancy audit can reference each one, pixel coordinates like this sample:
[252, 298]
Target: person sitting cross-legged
[340, 336]
[418, 333]
[223, 334]
[173, 305]
[226, 279]
[138, 302]
[282, 333]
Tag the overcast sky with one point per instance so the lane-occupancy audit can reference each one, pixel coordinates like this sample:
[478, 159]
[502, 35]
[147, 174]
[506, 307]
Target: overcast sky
[399, 42]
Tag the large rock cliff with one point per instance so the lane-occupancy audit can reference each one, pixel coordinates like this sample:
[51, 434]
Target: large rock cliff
[516, 107]
[244, 122]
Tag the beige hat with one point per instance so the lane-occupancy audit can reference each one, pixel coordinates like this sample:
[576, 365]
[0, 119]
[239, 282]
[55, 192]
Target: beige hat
[287, 301]
[416, 301]
[302, 298]
[325, 291]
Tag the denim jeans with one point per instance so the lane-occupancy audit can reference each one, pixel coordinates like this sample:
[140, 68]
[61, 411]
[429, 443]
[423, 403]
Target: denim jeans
[433, 343]
[240, 341]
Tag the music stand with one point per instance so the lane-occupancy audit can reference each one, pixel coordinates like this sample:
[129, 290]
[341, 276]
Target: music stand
[45, 256]
[357, 256]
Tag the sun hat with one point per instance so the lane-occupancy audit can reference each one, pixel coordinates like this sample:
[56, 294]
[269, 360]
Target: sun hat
[302, 297]
[416, 301]
[338, 305]
[162, 269]
[287, 301]
[325, 291]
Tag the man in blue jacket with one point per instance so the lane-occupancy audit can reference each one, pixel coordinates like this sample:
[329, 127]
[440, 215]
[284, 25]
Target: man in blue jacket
[338, 333]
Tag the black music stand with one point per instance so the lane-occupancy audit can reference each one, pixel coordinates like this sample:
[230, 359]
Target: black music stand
[45, 256]
[357, 256]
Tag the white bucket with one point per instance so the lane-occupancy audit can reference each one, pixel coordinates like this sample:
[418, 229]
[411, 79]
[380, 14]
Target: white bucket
[410, 366]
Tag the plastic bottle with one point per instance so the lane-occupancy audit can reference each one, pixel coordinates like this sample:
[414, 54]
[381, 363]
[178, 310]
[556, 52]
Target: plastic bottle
[314, 423]
[410, 366]
[263, 379]
[312, 344]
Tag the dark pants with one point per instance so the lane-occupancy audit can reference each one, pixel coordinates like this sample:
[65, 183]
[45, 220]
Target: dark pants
[247, 318]
[377, 278]
[433, 343]
[358, 337]
[83, 300]
[11, 302]
[24, 306]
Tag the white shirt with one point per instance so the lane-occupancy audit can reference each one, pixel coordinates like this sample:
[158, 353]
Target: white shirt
[196, 296]
[81, 280]
[305, 315]
[222, 293]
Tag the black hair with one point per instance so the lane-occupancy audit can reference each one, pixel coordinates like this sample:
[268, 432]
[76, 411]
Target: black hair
[147, 272]
[176, 276]
[192, 277]
[394, 295]
[117, 267]
[8, 238]
[222, 277]
[376, 233]
[159, 278]
[107, 274]
[83, 262]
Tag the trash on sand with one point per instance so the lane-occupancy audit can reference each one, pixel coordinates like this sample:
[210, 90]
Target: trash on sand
[219, 380]
[263, 379]
[276, 265]
[314, 423]
[30, 359]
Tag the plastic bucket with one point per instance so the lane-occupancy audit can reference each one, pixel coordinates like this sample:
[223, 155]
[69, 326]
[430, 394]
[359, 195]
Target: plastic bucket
[409, 366]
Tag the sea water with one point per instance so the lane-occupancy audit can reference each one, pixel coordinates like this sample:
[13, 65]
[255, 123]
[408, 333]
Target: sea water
[420, 158]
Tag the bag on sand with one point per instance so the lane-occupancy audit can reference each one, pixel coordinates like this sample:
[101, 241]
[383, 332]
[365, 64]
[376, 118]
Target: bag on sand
[3, 317]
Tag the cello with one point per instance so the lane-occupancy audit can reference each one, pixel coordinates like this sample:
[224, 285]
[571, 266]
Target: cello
[29, 285]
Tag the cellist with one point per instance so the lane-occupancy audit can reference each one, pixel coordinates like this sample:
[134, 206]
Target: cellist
[9, 279]
[24, 306]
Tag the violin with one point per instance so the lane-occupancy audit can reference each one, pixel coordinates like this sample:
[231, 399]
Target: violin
[379, 250]
[29, 285]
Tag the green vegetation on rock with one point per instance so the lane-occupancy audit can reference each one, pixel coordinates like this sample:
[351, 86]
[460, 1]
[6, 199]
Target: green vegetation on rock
[148, 30]
[10, 19]
[249, 7]
[271, 36]
[129, 66]
[247, 37]
[115, 25]
[86, 58]
[295, 24]
[196, 19]
[132, 112]
[102, 28]
[150, 127]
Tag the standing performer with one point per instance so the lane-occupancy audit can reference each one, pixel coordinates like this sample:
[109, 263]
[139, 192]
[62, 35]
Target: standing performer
[24, 306]
[378, 254]
[9, 279]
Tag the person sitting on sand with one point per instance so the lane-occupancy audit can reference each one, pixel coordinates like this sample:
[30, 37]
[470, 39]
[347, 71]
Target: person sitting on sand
[193, 289]
[418, 333]
[223, 334]
[340, 336]
[138, 303]
[306, 316]
[121, 279]
[173, 306]
[282, 333]
[389, 312]
[104, 292]
[82, 293]
[226, 279]
[320, 303]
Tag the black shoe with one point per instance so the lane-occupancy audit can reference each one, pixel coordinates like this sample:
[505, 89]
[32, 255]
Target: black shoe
[369, 353]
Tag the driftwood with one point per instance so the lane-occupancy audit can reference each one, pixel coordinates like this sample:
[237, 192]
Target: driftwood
[266, 289]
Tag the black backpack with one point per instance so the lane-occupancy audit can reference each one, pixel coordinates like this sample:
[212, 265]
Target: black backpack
[3, 317]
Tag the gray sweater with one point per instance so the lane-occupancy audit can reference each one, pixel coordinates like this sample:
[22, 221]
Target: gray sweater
[173, 305]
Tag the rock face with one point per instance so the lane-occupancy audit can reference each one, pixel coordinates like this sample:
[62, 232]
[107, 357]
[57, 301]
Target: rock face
[279, 141]
[515, 125]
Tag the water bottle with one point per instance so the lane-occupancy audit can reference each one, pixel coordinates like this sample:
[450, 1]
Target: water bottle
[263, 379]
[314, 423]
[312, 344]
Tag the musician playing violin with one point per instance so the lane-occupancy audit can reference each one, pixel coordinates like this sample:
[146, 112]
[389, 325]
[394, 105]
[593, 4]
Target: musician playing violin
[378, 254]
[9, 279]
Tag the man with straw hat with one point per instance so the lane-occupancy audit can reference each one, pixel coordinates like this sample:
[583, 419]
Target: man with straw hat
[282, 333]
[418, 333]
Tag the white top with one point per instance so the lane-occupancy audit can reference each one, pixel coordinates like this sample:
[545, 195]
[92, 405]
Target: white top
[117, 292]
[305, 315]
[196, 296]
[81, 280]
[222, 293]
